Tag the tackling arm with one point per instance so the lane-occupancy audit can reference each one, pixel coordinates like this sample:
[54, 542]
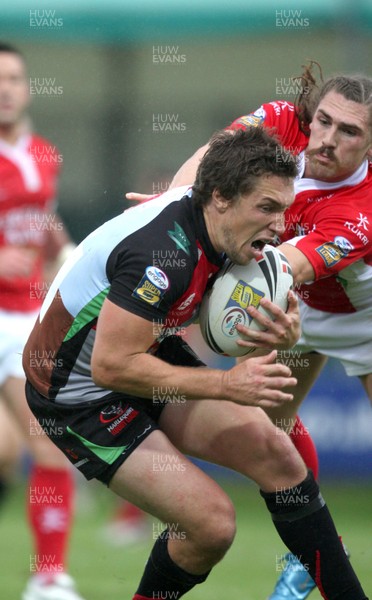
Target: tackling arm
[187, 172]
[303, 271]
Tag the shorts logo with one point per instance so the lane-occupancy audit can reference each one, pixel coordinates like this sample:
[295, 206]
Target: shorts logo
[244, 295]
[116, 417]
[71, 452]
[330, 253]
[152, 286]
[110, 413]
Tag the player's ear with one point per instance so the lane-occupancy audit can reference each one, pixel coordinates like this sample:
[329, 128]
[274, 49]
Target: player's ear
[221, 204]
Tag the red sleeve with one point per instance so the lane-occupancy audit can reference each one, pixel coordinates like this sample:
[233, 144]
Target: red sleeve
[281, 118]
[336, 242]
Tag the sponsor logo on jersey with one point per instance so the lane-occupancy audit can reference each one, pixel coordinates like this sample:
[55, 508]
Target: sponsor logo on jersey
[330, 253]
[319, 198]
[233, 318]
[362, 221]
[180, 238]
[281, 105]
[186, 302]
[157, 277]
[254, 119]
[344, 244]
[355, 229]
[152, 286]
[244, 295]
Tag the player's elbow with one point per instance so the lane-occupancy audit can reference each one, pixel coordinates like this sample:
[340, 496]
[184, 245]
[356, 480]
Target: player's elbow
[119, 375]
[101, 375]
[305, 275]
[105, 374]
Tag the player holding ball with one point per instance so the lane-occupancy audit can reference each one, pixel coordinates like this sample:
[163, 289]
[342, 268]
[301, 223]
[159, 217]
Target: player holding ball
[110, 360]
[327, 241]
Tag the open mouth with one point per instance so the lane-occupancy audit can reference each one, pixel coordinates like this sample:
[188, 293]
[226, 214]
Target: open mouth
[260, 244]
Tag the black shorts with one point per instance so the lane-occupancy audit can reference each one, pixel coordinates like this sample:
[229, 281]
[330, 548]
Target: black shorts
[98, 437]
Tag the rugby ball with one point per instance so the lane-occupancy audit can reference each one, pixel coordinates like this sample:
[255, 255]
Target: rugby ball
[234, 289]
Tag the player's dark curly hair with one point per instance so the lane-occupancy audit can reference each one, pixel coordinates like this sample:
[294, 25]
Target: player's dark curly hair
[235, 161]
[313, 88]
[307, 98]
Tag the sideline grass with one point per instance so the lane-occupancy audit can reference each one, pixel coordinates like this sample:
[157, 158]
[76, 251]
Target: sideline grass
[249, 570]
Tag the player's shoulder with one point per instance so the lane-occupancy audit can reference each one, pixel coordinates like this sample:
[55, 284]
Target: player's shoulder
[45, 153]
[281, 118]
[279, 107]
[267, 114]
[36, 139]
[164, 223]
[358, 196]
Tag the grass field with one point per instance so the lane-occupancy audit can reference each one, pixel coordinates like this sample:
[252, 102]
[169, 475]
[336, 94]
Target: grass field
[249, 570]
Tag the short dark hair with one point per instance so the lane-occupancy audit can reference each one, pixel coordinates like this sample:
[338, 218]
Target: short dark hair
[5, 47]
[236, 159]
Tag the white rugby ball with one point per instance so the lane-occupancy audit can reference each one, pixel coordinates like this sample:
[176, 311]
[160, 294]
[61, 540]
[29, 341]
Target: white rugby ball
[235, 288]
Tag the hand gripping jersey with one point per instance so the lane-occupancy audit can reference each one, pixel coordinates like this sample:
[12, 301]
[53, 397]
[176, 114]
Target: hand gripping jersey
[331, 223]
[28, 173]
[153, 260]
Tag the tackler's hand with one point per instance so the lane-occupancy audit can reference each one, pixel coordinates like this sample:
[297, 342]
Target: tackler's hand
[136, 197]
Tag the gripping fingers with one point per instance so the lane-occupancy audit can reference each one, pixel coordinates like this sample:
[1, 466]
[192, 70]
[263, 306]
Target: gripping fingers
[275, 399]
[273, 394]
[276, 383]
[276, 370]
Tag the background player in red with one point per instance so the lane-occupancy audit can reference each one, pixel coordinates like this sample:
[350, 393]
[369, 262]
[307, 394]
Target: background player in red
[30, 233]
[327, 240]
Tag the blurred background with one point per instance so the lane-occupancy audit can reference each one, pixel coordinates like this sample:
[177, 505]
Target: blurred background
[128, 89]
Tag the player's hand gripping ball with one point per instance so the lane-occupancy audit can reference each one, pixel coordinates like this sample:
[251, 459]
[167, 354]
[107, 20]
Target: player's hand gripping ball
[235, 288]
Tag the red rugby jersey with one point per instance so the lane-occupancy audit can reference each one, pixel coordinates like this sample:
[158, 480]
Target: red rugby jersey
[331, 223]
[28, 174]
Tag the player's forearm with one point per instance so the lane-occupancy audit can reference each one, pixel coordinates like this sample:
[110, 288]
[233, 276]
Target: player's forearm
[147, 376]
[256, 382]
[303, 271]
[186, 173]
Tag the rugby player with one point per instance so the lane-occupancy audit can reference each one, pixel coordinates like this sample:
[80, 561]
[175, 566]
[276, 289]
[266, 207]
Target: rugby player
[30, 233]
[327, 241]
[100, 321]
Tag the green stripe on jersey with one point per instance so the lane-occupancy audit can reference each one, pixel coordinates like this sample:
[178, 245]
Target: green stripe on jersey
[87, 314]
[105, 453]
